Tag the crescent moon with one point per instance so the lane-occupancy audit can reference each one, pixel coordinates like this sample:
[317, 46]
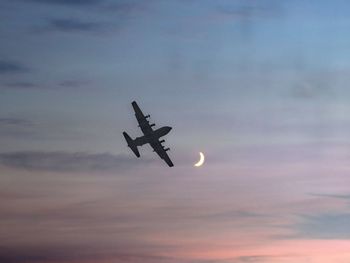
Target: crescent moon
[201, 160]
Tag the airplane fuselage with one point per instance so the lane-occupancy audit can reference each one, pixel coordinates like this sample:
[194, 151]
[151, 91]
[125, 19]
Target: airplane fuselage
[152, 136]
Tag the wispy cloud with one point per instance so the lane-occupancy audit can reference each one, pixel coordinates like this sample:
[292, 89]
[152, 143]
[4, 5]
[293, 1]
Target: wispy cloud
[260, 259]
[67, 162]
[324, 226]
[312, 85]
[69, 2]
[73, 25]
[9, 66]
[27, 85]
[79, 254]
[246, 9]
[16, 128]
[126, 7]
[21, 85]
[13, 122]
[337, 196]
[73, 83]
[235, 215]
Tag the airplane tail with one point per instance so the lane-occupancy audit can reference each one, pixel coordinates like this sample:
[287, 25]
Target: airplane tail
[131, 144]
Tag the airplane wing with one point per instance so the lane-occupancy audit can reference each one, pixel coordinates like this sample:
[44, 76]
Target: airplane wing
[146, 128]
[159, 149]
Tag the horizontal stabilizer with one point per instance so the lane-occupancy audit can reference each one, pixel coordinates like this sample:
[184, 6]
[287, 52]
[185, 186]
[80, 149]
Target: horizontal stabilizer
[131, 144]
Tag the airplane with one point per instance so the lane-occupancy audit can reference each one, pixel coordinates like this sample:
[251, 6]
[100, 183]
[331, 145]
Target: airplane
[150, 136]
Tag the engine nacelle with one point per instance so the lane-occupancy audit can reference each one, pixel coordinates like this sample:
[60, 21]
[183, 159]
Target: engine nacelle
[162, 141]
[152, 125]
[167, 149]
[147, 116]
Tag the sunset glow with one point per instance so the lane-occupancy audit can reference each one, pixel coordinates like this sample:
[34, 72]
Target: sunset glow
[260, 86]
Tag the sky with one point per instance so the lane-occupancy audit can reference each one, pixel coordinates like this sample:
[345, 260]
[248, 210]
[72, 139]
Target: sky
[259, 86]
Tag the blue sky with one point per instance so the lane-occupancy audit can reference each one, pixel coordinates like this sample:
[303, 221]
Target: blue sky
[261, 87]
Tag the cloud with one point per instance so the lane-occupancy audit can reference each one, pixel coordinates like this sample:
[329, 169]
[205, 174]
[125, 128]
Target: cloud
[262, 258]
[16, 127]
[67, 162]
[13, 122]
[74, 83]
[8, 67]
[31, 85]
[235, 215]
[312, 85]
[44, 254]
[119, 6]
[69, 2]
[337, 196]
[73, 25]
[255, 258]
[126, 7]
[64, 253]
[248, 9]
[21, 85]
[324, 226]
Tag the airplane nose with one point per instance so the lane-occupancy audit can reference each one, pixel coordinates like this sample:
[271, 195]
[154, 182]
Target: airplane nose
[169, 128]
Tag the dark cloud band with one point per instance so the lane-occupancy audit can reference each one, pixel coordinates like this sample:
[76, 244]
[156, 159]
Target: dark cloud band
[67, 162]
[69, 2]
[8, 66]
[69, 25]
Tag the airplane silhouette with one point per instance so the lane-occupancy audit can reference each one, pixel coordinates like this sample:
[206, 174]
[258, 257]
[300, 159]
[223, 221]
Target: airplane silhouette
[150, 136]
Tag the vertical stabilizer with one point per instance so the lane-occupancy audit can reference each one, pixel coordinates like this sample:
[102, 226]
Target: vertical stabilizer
[131, 144]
